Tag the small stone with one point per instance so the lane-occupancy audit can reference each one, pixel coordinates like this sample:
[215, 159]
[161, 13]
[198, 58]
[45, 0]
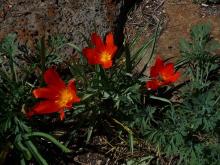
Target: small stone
[204, 5]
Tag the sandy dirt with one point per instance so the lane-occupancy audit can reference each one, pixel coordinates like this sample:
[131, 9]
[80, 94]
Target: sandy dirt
[181, 15]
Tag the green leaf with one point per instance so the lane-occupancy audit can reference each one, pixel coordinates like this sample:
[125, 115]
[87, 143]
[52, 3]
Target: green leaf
[35, 152]
[89, 134]
[136, 38]
[161, 99]
[57, 41]
[9, 45]
[212, 45]
[184, 46]
[75, 47]
[152, 50]
[138, 56]
[23, 149]
[131, 142]
[50, 138]
[86, 96]
[9, 48]
[123, 126]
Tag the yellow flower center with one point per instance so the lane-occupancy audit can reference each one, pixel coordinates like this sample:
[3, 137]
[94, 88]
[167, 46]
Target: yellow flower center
[64, 98]
[105, 56]
[164, 76]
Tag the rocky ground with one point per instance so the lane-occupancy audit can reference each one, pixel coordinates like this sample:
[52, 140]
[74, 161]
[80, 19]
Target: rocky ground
[33, 19]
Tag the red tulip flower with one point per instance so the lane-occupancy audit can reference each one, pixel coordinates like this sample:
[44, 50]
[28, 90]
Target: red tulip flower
[102, 53]
[162, 74]
[57, 96]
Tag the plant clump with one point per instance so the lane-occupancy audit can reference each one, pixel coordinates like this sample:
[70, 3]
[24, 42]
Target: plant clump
[170, 115]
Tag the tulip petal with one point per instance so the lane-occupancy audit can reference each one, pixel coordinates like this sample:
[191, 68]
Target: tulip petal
[95, 55]
[90, 54]
[72, 88]
[111, 50]
[110, 39]
[169, 68]
[174, 77]
[45, 107]
[153, 84]
[96, 40]
[167, 72]
[162, 74]
[106, 64]
[45, 93]
[52, 78]
[159, 64]
[62, 115]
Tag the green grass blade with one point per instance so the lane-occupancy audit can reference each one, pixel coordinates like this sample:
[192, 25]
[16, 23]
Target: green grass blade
[51, 139]
[35, 152]
[82, 59]
[136, 58]
[153, 49]
[131, 142]
[90, 130]
[161, 99]
[75, 47]
[136, 38]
